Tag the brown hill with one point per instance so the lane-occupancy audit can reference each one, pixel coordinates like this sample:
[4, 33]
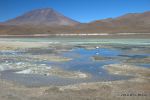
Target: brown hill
[48, 21]
[46, 16]
[133, 22]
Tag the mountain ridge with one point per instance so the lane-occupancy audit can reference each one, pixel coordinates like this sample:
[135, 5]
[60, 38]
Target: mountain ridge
[48, 21]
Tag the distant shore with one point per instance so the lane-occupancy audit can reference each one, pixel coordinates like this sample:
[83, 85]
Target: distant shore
[94, 35]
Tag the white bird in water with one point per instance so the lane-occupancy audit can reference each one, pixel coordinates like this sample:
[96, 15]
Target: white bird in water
[97, 47]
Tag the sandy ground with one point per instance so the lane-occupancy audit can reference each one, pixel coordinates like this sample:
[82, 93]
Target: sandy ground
[21, 45]
[137, 88]
[128, 70]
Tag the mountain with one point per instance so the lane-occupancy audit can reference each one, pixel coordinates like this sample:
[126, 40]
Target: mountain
[133, 22]
[45, 16]
[134, 19]
[48, 21]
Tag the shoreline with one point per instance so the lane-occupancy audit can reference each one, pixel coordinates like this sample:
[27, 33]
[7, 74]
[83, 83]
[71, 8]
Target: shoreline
[89, 35]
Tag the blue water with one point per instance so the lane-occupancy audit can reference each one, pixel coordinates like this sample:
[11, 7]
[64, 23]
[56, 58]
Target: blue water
[81, 61]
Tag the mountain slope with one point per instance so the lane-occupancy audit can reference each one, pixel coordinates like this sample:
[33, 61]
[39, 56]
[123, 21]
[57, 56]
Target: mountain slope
[47, 21]
[134, 22]
[46, 16]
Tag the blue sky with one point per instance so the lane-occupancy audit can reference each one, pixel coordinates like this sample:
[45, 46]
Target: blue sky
[80, 10]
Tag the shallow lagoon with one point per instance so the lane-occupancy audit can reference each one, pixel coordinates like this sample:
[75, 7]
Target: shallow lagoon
[81, 52]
